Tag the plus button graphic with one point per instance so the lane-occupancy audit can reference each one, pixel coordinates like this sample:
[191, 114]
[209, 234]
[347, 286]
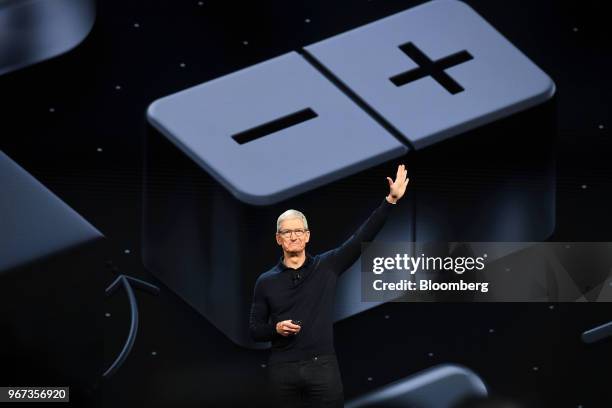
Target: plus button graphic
[434, 69]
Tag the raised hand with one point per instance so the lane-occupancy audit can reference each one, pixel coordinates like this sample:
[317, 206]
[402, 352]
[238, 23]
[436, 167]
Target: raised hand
[397, 188]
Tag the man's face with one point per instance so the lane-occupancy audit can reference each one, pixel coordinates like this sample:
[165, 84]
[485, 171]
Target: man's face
[291, 242]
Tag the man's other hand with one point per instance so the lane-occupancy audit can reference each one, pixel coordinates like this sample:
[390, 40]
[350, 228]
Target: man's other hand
[286, 328]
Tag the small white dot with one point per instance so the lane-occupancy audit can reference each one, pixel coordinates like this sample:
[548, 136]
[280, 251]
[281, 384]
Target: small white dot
[551, 307]
[485, 255]
[99, 149]
[535, 368]
[430, 354]
[491, 330]
[575, 29]
[107, 314]
[507, 269]
[600, 126]
[51, 110]
[200, 3]
[263, 366]
[386, 316]
[154, 353]
[117, 87]
[127, 251]
[307, 20]
[182, 65]
[584, 186]
[136, 25]
[245, 42]
[369, 378]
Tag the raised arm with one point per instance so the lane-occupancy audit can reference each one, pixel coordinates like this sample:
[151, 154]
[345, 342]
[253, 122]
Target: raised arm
[259, 328]
[347, 253]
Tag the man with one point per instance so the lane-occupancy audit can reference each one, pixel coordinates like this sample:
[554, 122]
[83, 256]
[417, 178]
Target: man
[299, 293]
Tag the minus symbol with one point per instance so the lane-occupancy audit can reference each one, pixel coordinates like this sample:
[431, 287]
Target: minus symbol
[275, 125]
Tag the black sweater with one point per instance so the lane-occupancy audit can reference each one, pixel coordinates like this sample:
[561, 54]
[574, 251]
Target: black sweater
[278, 296]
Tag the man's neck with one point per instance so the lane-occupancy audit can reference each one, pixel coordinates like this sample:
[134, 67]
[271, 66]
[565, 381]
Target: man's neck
[294, 259]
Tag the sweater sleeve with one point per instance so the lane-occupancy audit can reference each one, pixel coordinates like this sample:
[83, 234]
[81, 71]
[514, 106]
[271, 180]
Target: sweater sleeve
[259, 327]
[346, 254]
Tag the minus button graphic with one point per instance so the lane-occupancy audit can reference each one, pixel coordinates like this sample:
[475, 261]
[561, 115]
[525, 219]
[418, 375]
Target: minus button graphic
[274, 126]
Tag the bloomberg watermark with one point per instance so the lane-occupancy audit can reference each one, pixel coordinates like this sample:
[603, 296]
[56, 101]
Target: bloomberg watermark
[487, 271]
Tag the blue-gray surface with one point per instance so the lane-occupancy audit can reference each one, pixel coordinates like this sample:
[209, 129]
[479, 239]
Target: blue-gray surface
[35, 30]
[341, 140]
[34, 222]
[489, 79]
[498, 81]
[441, 386]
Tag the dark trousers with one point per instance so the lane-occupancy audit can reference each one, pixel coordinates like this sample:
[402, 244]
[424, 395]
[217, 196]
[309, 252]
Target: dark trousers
[315, 382]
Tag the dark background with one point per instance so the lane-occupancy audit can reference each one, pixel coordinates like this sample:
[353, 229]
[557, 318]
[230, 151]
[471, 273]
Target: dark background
[533, 355]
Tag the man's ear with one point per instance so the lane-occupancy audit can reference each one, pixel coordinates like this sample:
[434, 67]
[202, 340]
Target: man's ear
[278, 240]
[307, 236]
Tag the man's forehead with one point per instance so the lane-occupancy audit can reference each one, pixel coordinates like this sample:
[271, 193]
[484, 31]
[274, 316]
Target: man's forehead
[292, 223]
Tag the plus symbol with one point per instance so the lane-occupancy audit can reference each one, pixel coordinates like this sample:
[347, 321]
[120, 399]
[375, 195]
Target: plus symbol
[427, 67]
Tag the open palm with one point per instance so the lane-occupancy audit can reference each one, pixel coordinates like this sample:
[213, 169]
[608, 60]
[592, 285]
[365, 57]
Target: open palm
[397, 188]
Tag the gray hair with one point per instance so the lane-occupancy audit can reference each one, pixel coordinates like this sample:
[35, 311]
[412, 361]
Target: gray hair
[291, 214]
